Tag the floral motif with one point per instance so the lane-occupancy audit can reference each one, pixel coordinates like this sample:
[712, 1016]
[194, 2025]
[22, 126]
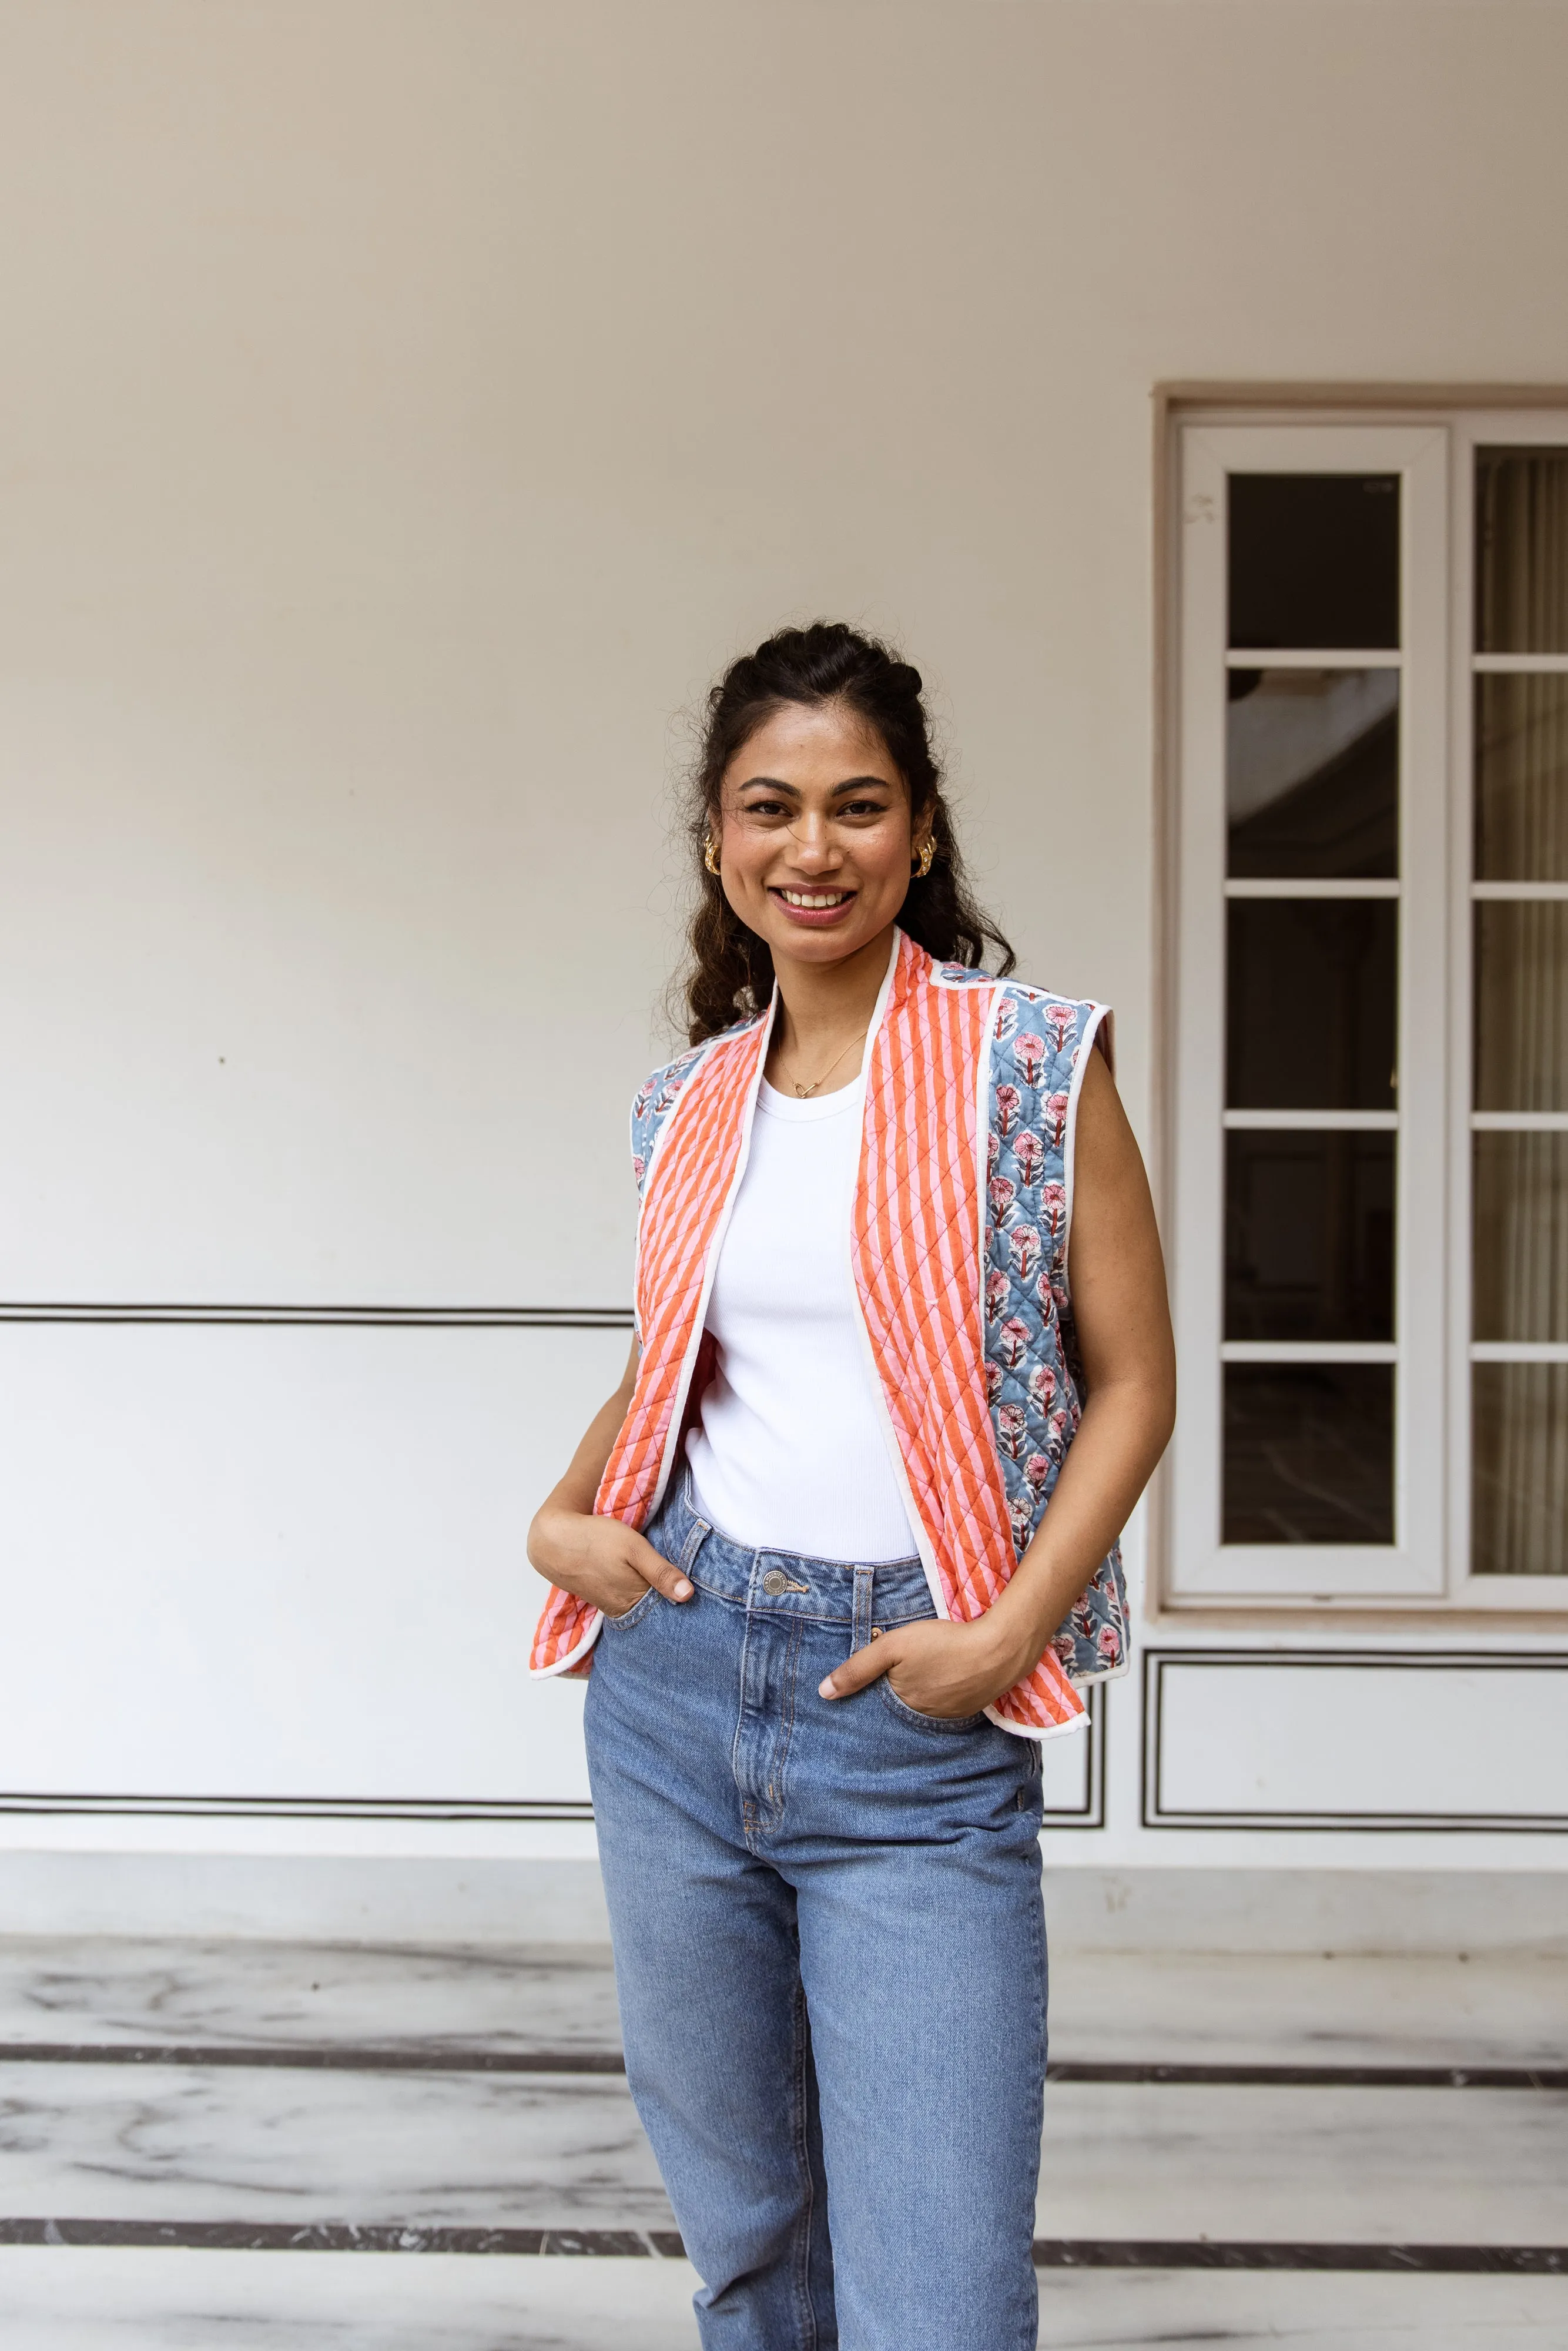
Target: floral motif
[1013, 1345]
[1006, 1103]
[1023, 1250]
[1029, 1054]
[1029, 1152]
[1002, 1192]
[1010, 1429]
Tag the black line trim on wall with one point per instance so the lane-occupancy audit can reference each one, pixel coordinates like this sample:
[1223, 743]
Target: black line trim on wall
[302, 1808]
[348, 2057]
[384, 1318]
[1091, 1813]
[1153, 1813]
[663, 2244]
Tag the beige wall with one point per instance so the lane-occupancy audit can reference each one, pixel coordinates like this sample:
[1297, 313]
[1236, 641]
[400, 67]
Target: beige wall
[404, 408]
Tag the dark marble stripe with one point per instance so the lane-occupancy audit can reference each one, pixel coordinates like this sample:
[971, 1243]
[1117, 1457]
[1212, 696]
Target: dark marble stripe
[369, 2058]
[1049, 2253]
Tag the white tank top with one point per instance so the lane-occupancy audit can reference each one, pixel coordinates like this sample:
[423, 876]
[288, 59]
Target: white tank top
[791, 1452]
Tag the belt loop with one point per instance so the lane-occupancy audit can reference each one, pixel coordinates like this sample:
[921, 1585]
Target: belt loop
[865, 1578]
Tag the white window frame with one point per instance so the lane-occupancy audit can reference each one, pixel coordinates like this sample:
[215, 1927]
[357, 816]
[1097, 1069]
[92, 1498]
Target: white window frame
[1432, 445]
[1472, 429]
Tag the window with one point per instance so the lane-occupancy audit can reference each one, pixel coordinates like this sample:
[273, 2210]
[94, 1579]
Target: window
[1370, 1028]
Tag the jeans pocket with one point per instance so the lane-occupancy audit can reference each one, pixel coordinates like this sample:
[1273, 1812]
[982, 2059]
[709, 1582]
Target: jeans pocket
[942, 1723]
[634, 1615]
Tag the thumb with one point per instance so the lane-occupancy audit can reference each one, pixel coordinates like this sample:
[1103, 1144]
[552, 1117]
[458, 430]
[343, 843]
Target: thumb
[656, 1569]
[867, 1666]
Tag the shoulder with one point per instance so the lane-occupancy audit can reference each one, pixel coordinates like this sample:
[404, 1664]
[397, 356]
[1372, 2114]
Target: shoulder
[660, 1091]
[1044, 1034]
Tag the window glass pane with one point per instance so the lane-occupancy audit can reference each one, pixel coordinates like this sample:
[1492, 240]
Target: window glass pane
[1310, 989]
[1315, 560]
[1309, 1236]
[1521, 778]
[1312, 773]
[1518, 1486]
[1520, 1225]
[1309, 1453]
[1521, 550]
[1522, 1005]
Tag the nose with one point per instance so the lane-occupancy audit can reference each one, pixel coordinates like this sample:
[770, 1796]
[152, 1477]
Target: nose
[815, 849]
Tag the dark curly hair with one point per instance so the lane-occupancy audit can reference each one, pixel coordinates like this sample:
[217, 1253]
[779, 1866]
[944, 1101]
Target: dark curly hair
[729, 970]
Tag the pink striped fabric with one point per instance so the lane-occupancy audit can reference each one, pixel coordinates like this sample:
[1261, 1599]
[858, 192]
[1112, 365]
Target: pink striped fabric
[918, 1269]
[688, 1187]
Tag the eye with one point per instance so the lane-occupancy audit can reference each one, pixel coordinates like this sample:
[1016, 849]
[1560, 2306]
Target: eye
[763, 807]
[863, 808]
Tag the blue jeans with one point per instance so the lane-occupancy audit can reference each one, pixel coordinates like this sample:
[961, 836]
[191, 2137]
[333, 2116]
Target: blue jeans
[829, 1953]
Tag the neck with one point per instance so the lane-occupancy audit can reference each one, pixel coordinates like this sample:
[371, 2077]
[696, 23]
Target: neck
[823, 1005]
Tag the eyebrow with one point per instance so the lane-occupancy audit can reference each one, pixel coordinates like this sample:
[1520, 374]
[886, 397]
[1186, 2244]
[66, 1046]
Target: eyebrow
[776, 784]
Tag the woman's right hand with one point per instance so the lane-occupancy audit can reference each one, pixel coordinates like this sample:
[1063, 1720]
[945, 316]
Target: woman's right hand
[599, 1560]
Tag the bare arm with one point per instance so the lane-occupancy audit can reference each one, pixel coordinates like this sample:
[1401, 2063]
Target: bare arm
[1129, 1360]
[601, 1560]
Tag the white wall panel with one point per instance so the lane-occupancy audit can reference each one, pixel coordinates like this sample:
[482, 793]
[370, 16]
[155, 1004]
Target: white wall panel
[257, 1562]
[1324, 1741]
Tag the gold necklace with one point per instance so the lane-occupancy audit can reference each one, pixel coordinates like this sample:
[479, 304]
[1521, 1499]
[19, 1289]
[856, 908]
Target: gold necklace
[805, 1092]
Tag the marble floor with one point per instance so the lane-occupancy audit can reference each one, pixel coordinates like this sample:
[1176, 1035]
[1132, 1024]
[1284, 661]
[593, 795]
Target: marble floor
[248, 2092]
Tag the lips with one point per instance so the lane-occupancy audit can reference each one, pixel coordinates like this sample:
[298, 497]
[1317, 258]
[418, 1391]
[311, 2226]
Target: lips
[813, 909]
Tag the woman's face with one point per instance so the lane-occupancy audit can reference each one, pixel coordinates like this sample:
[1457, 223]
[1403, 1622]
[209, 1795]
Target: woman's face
[815, 838]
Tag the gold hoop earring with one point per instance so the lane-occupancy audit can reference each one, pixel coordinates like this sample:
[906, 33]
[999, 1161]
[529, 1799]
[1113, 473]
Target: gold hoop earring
[709, 859]
[922, 866]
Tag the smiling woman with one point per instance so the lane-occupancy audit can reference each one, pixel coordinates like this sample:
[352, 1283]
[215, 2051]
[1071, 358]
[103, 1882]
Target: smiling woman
[848, 1528]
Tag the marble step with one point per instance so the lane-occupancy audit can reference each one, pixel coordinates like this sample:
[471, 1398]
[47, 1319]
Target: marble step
[1171, 2008]
[275, 2144]
[111, 2299]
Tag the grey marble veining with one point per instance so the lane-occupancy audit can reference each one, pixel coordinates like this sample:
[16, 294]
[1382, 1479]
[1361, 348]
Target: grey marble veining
[111, 2299]
[1160, 2007]
[485, 2150]
[190, 2144]
[105, 1988]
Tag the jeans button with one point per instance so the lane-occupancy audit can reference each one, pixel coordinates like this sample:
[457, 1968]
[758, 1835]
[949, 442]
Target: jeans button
[775, 1582]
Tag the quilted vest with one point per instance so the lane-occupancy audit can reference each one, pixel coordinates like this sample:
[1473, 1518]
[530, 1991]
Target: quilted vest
[958, 1252]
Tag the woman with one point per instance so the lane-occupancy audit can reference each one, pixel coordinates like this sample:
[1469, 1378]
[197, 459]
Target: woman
[806, 1545]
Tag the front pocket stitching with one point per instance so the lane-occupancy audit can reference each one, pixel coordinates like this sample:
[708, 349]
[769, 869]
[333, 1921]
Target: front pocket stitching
[944, 1724]
[624, 1623]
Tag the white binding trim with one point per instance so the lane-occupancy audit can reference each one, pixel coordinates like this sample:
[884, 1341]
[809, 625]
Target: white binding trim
[1100, 1016]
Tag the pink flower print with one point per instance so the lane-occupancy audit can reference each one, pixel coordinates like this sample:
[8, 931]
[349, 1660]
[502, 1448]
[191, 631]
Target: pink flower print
[644, 1096]
[639, 1166]
[1036, 1470]
[1059, 1019]
[1042, 1388]
[1023, 1247]
[1082, 1617]
[1029, 1156]
[1028, 1052]
[1056, 1120]
[993, 1151]
[1002, 1192]
[997, 1288]
[1066, 1648]
[1006, 1020]
[1014, 1337]
[1009, 1102]
[993, 1382]
[1020, 1518]
[1058, 1435]
[1053, 1207]
[1108, 1641]
[1010, 1429]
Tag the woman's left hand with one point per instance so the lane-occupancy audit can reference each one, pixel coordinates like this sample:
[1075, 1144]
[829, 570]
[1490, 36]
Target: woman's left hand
[936, 1669]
